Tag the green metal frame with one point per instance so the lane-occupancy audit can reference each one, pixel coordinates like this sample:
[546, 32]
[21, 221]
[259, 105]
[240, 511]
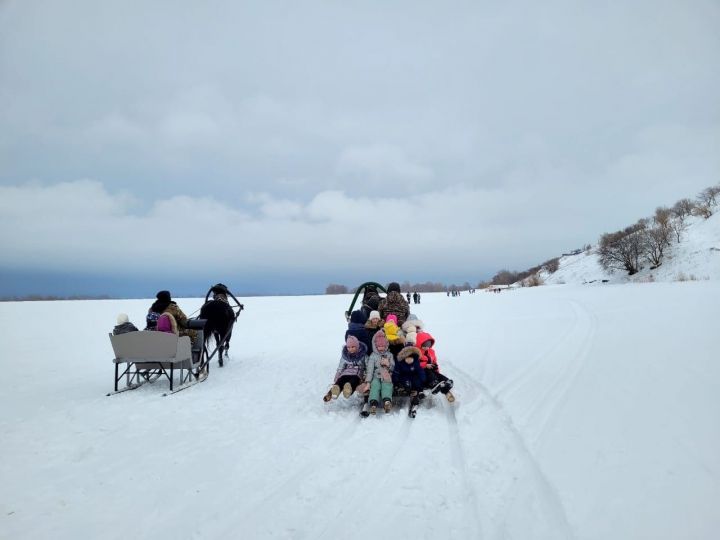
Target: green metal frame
[361, 289]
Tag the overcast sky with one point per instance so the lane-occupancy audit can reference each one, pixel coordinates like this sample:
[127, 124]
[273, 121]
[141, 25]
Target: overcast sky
[267, 143]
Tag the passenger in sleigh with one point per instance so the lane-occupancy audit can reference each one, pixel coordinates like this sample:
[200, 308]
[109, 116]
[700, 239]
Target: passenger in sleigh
[373, 324]
[428, 361]
[394, 335]
[165, 304]
[380, 367]
[351, 369]
[408, 375]
[394, 303]
[356, 327]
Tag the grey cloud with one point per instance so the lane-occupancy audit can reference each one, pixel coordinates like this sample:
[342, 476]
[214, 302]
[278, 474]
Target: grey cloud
[270, 113]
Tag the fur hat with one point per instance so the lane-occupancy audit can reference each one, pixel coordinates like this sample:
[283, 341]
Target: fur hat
[409, 326]
[394, 286]
[122, 318]
[391, 318]
[163, 296]
[374, 315]
[352, 341]
[410, 338]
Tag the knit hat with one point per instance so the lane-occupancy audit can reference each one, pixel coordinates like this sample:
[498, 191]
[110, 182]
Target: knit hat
[379, 339]
[391, 318]
[374, 315]
[394, 286]
[410, 338]
[352, 341]
[122, 318]
[163, 296]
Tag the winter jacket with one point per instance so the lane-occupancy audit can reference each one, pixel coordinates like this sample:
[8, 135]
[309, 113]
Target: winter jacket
[166, 323]
[409, 376]
[427, 356]
[356, 327]
[124, 328]
[353, 365]
[375, 367]
[373, 327]
[394, 303]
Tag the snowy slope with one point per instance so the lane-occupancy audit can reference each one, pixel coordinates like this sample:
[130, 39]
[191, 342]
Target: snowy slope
[696, 257]
[582, 412]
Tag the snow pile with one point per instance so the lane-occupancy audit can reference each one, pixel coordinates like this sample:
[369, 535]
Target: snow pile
[696, 257]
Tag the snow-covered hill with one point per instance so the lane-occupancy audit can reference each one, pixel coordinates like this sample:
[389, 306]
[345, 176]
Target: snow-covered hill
[696, 257]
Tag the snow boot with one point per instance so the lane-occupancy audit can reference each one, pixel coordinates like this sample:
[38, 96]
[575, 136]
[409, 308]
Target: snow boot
[373, 406]
[335, 391]
[347, 390]
[387, 405]
[450, 396]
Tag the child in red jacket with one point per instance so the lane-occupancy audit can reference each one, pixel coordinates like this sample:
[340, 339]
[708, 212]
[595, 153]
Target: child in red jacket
[428, 361]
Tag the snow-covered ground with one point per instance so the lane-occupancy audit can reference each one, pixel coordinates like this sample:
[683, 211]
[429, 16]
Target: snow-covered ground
[583, 411]
[696, 257]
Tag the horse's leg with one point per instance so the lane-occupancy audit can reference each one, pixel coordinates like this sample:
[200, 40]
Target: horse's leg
[218, 341]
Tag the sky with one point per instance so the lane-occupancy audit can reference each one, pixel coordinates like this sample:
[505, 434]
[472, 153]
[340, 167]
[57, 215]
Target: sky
[282, 146]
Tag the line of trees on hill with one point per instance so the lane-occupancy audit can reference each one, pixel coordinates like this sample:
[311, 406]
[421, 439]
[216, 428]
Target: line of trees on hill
[627, 249]
[647, 240]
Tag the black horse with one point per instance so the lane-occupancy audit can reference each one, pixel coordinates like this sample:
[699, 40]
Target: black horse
[220, 318]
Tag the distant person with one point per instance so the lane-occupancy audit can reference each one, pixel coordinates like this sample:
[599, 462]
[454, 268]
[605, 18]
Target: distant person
[407, 295]
[123, 325]
[394, 303]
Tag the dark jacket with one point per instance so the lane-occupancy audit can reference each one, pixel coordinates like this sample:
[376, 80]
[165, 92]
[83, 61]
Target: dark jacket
[124, 328]
[409, 376]
[356, 327]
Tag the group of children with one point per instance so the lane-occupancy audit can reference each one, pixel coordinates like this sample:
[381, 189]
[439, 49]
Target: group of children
[384, 349]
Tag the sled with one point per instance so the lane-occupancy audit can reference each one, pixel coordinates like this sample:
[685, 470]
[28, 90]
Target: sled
[147, 356]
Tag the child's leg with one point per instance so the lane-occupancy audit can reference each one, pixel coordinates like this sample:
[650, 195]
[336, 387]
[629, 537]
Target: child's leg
[375, 388]
[386, 390]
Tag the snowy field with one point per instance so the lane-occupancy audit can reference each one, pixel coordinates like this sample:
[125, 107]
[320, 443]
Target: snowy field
[586, 412]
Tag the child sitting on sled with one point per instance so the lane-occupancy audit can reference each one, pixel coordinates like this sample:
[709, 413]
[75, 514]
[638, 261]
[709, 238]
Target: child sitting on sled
[408, 374]
[395, 336]
[351, 369]
[380, 367]
[428, 361]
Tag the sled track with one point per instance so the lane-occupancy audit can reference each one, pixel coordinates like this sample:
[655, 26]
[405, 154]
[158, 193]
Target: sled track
[461, 463]
[554, 507]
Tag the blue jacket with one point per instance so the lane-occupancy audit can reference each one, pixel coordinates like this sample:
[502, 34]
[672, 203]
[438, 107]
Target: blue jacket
[356, 327]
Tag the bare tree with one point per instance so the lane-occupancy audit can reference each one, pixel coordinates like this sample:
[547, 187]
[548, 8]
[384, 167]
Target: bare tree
[334, 288]
[682, 209]
[622, 250]
[703, 210]
[708, 195]
[678, 226]
[655, 240]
